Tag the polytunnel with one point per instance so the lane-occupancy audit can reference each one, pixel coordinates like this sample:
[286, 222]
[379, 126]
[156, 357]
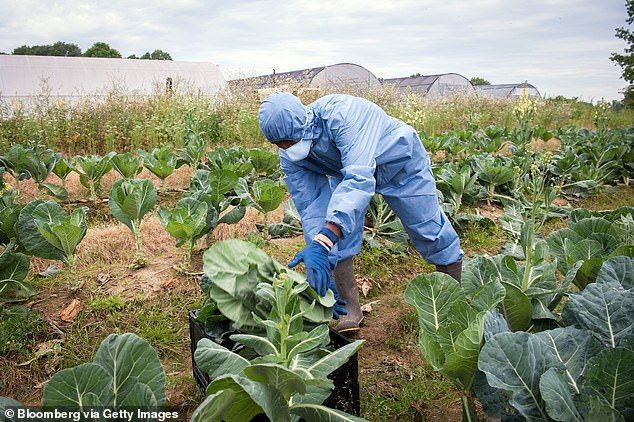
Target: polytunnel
[71, 78]
[323, 77]
[507, 90]
[432, 86]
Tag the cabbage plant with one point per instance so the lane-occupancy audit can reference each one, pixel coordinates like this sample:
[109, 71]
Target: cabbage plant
[47, 231]
[235, 160]
[187, 223]
[127, 165]
[592, 238]
[194, 150]
[452, 319]
[129, 202]
[233, 269]
[161, 162]
[582, 371]
[288, 380]
[383, 228]
[63, 168]
[265, 196]
[125, 373]
[494, 172]
[33, 161]
[216, 188]
[92, 169]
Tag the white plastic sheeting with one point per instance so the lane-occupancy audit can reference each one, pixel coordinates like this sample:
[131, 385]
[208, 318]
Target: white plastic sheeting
[507, 90]
[434, 86]
[324, 77]
[24, 77]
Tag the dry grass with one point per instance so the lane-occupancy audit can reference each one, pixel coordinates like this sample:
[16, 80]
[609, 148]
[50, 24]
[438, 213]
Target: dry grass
[76, 191]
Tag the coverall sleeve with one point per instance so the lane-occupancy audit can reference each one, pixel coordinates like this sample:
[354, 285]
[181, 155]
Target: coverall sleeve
[356, 133]
[311, 193]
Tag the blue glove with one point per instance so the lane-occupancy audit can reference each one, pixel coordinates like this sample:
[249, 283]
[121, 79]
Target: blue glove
[339, 308]
[315, 258]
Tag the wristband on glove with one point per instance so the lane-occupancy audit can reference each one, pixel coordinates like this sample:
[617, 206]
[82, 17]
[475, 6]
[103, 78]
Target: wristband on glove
[326, 238]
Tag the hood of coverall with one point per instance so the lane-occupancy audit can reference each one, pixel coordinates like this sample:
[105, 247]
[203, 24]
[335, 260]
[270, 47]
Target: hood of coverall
[283, 117]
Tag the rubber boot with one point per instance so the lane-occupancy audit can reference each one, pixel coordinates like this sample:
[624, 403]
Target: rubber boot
[454, 270]
[347, 286]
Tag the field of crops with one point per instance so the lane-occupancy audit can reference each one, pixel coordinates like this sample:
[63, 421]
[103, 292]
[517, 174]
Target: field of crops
[104, 255]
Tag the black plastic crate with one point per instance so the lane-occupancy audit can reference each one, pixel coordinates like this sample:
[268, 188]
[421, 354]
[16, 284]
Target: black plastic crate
[345, 394]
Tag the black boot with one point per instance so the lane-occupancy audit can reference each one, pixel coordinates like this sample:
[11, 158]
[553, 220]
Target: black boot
[347, 286]
[454, 270]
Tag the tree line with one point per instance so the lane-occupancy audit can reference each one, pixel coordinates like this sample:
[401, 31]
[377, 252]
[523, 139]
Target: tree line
[98, 49]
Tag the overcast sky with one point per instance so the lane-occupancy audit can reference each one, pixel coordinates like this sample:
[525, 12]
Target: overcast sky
[560, 46]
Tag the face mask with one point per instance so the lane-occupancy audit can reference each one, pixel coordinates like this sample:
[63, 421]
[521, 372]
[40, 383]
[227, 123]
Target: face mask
[298, 151]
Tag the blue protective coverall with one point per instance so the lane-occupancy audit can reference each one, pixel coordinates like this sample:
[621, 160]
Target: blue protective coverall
[358, 150]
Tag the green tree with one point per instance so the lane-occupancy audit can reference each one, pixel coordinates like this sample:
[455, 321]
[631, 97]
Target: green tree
[156, 55]
[60, 48]
[102, 49]
[626, 60]
[415, 75]
[476, 80]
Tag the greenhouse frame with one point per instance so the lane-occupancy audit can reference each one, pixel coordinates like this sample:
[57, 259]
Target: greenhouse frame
[324, 77]
[433, 86]
[72, 78]
[507, 90]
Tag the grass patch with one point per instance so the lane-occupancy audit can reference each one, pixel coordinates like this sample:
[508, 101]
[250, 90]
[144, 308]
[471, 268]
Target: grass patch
[395, 392]
[610, 198]
[482, 239]
[110, 304]
[20, 329]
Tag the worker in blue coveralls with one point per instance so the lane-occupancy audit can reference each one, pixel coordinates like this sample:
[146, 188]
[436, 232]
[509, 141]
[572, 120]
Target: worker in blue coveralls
[336, 153]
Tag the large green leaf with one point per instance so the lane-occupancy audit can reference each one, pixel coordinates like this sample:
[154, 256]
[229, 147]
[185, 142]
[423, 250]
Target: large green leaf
[610, 378]
[284, 380]
[432, 296]
[462, 364]
[573, 348]
[317, 337]
[216, 407]
[557, 397]
[327, 364]
[477, 272]
[515, 362]
[129, 360]
[14, 267]
[251, 398]
[516, 308]
[216, 360]
[603, 308]
[77, 387]
[317, 413]
[619, 269]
